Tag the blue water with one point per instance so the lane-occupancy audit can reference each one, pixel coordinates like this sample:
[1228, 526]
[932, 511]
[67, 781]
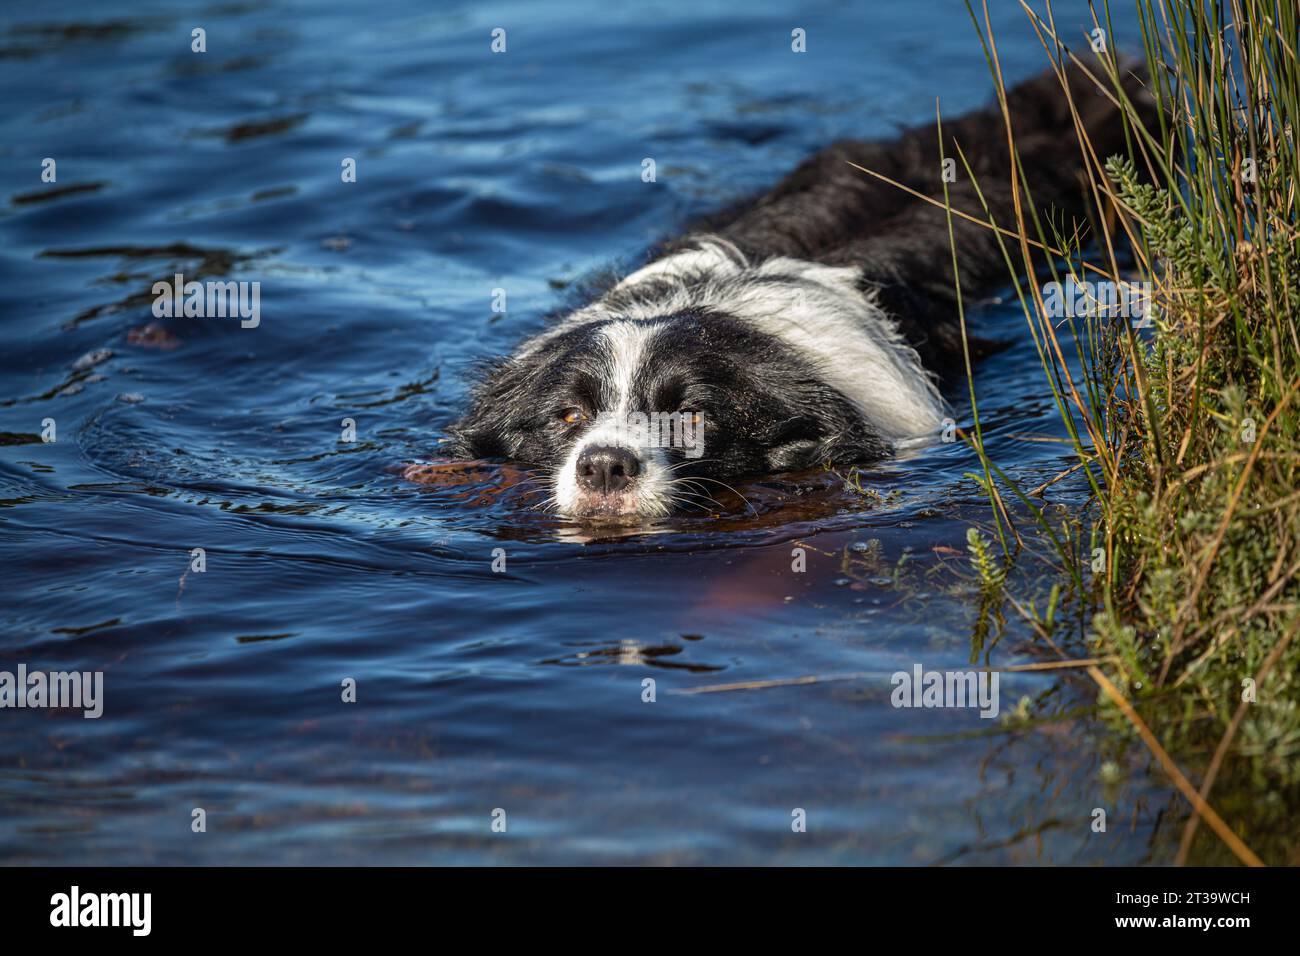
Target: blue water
[476, 690]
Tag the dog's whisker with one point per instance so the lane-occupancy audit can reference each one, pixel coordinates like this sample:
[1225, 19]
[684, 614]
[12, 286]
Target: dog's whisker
[692, 461]
[684, 501]
[675, 502]
[699, 493]
[692, 483]
[729, 488]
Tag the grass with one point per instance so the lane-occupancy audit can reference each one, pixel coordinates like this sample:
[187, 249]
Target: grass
[1180, 576]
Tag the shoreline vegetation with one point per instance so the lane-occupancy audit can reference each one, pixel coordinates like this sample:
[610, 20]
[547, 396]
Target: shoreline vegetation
[1179, 577]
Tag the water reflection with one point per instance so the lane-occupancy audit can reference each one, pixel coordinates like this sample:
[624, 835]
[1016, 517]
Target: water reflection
[373, 559]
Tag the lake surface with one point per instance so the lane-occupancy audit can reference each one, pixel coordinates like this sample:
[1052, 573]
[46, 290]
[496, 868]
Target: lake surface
[476, 690]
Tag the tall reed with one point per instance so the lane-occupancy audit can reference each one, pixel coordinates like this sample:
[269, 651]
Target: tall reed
[1182, 422]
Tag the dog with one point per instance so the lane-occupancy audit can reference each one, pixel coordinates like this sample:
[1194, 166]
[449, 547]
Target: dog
[811, 326]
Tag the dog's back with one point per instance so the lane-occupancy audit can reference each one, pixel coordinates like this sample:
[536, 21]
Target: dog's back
[829, 211]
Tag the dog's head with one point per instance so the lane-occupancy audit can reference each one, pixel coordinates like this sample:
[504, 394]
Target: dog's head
[638, 418]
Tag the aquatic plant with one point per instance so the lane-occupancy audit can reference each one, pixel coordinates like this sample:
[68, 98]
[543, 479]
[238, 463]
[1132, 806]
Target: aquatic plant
[1181, 413]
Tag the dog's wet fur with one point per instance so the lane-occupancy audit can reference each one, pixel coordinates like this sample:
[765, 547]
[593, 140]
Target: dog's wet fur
[813, 324]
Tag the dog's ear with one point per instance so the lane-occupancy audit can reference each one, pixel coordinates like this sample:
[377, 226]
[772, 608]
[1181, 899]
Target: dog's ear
[464, 440]
[793, 444]
[794, 455]
[808, 441]
[854, 444]
[476, 434]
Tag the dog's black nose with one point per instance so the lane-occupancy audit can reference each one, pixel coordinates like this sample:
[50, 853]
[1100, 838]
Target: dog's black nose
[606, 469]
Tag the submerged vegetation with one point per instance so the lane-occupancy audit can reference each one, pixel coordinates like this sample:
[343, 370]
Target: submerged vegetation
[1182, 415]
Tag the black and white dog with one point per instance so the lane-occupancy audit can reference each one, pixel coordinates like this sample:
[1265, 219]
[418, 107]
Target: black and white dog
[812, 325]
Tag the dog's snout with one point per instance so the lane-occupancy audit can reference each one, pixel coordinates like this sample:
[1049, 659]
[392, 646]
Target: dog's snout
[606, 469]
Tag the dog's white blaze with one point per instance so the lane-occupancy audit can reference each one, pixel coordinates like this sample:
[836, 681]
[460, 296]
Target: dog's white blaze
[626, 342]
[626, 349]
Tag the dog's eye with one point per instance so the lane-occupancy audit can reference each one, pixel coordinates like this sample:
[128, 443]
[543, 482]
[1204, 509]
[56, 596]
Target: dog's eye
[572, 416]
